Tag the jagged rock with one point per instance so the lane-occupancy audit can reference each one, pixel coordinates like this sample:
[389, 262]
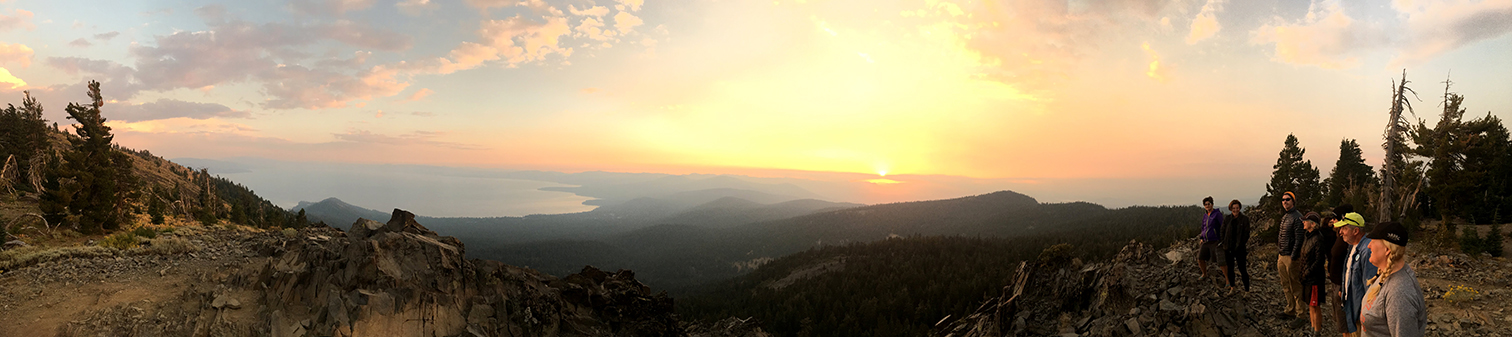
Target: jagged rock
[1133, 325]
[1166, 305]
[363, 227]
[401, 278]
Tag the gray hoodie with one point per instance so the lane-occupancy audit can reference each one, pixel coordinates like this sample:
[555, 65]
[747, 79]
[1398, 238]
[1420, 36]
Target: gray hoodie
[1398, 309]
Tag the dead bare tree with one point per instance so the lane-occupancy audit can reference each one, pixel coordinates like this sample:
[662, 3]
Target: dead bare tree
[8, 175]
[1396, 127]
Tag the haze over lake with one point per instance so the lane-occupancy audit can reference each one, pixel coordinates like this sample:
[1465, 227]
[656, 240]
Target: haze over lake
[423, 190]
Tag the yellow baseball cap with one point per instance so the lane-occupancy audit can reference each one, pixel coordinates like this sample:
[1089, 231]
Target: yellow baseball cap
[1354, 219]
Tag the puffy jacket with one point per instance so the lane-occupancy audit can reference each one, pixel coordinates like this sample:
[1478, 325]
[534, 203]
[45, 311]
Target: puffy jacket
[1314, 257]
[1290, 242]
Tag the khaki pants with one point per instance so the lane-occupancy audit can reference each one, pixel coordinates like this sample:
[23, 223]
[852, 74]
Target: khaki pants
[1291, 282]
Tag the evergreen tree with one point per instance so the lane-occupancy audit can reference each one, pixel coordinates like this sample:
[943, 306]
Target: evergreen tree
[93, 185]
[1350, 178]
[1293, 174]
[1493, 241]
[23, 134]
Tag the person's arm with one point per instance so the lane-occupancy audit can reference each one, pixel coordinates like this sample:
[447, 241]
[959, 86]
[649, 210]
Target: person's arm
[1402, 316]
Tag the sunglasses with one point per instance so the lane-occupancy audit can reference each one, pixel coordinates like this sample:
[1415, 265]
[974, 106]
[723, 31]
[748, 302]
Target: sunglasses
[1286, 199]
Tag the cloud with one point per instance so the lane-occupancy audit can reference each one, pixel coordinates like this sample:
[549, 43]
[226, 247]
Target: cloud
[328, 7]
[1327, 38]
[18, 19]
[1438, 27]
[239, 51]
[427, 138]
[116, 80]
[624, 22]
[414, 7]
[106, 36]
[363, 35]
[12, 80]
[595, 11]
[1205, 25]
[1155, 71]
[1030, 45]
[15, 54]
[419, 94]
[80, 42]
[171, 108]
[633, 5]
[294, 87]
[592, 28]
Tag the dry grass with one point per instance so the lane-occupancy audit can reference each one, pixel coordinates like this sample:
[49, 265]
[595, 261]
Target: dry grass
[27, 256]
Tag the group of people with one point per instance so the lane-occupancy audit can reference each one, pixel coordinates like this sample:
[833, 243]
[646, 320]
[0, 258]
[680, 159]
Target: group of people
[1361, 276]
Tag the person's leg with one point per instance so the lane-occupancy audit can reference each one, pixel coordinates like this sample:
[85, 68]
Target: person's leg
[1203, 254]
[1228, 265]
[1313, 312]
[1294, 277]
[1338, 309]
[1243, 264]
[1283, 269]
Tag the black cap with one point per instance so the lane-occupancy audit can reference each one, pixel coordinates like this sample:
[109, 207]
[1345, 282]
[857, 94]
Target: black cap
[1392, 232]
[1339, 212]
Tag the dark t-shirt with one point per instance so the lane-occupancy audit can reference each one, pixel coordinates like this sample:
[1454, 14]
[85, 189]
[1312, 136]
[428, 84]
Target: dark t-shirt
[1336, 259]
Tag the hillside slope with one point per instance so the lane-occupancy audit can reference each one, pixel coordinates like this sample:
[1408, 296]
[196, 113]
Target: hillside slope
[393, 279]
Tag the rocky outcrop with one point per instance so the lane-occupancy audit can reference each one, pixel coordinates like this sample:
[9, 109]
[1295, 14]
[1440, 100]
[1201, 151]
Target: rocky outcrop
[401, 279]
[1139, 292]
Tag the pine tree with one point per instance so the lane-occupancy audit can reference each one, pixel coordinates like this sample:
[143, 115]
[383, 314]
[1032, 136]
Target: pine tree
[1293, 174]
[92, 187]
[1350, 178]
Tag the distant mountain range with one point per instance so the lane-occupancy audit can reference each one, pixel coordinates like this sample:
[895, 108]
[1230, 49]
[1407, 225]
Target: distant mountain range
[672, 244]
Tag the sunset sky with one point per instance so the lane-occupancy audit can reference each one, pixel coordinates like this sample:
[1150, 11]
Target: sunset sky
[1026, 91]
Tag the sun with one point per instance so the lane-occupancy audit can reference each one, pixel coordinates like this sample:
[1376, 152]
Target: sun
[882, 173]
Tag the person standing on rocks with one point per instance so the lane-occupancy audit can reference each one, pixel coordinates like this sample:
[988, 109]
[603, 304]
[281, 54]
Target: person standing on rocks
[1357, 269]
[1212, 221]
[1336, 262]
[1289, 246]
[1236, 232]
[1314, 264]
[1394, 304]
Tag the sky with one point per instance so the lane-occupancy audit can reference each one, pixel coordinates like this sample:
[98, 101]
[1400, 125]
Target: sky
[1081, 98]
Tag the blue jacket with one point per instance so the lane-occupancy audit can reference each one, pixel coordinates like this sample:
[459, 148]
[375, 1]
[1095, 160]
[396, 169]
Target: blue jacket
[1210, 224]
[1355, 283]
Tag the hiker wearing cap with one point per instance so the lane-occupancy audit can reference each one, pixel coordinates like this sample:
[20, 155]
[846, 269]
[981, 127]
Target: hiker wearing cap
[1357, 270]
[1314, 264]
[1336, 258]
[1236, 232]
[1289, 246]
[1393, 305]
[1208, 251]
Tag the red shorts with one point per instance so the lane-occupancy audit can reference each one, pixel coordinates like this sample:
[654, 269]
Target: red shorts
[1316, 296]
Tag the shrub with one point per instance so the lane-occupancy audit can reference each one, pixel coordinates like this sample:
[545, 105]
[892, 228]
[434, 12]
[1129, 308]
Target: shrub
[1055, 254]
[145, 232]
[290, 232]
[1461, 294]
[122, 241]
[1470, 241]
[26, 256]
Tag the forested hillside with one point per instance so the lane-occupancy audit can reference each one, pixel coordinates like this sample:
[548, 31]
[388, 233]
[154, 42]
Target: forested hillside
[58, 185]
